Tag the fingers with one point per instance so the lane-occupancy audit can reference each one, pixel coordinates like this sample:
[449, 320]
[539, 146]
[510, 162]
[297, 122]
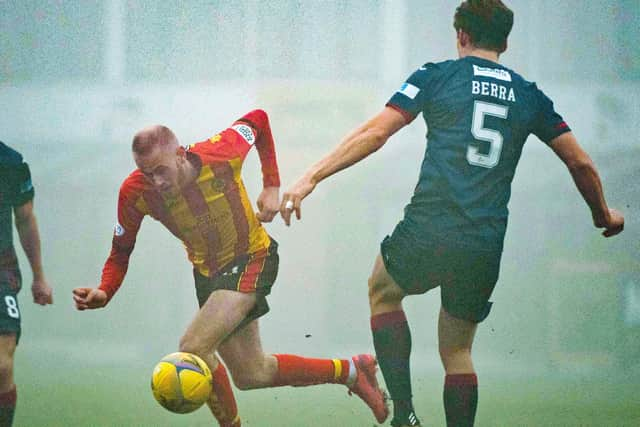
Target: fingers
[266, 215]
[81, 303]
[81, 292]
[609, 232]
[289, 205]
[43, 299]
[285, 212]
[80, 298]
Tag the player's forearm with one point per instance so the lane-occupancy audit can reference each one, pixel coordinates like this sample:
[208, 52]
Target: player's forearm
[355, 147]
[114, 271]
[588, 182]
[30, 240]
[265, 145]
[270, 172]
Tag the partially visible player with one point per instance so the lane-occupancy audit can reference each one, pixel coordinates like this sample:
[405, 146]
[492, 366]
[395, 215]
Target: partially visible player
[198, 194]
[16, 198]
[479, 114]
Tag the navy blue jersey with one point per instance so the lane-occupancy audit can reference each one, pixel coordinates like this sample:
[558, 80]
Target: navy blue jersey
[478, 114]
[15, 190]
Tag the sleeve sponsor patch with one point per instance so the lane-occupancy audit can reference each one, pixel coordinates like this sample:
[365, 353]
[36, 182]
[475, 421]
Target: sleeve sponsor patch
[118, 230]
[245, 132]
[26, 186]
[409, 90]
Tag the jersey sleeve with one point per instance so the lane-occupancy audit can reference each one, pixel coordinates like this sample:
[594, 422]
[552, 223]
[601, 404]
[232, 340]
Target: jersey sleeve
[124, 239]
[21, 187]
[254, 129]
[548, 124]
[409, 100]
[251, 129]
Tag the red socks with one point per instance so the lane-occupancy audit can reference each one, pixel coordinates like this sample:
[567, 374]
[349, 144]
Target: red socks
[460, 399]
[392, 341]
[301, 371]
[223, 402]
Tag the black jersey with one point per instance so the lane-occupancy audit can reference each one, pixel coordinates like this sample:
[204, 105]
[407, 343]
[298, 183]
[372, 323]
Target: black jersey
[478, 114]
[15, 190]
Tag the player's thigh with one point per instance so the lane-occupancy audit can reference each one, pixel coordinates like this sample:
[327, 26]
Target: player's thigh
[7, 351]
[218, 317]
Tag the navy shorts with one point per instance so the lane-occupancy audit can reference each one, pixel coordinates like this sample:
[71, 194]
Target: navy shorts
[251, 273]
[10, 315]
[466, 277]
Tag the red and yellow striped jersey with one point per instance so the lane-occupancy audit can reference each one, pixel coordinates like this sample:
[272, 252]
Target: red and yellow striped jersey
[212, 215]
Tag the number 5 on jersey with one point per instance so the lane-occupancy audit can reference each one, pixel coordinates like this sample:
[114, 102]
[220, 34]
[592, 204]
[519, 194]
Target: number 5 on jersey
[481, 133]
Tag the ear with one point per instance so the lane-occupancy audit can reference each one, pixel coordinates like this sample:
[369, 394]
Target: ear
[464, 39]
[181, 152]
[504, 47]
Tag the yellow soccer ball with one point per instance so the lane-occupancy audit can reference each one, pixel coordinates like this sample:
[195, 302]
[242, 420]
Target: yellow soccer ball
[181, 382]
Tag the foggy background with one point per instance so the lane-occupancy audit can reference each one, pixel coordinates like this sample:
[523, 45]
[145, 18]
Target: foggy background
[78, 78]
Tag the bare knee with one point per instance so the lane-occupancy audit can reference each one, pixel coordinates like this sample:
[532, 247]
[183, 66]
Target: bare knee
[456, 360]
[193, 345]
[6, 371]
[384, 294]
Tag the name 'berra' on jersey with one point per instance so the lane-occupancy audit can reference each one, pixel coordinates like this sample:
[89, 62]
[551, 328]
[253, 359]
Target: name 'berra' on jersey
[479, 115]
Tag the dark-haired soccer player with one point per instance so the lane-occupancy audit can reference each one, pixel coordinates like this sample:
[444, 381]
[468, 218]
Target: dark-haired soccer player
[16, 198]
[479, 114]
[198, 194]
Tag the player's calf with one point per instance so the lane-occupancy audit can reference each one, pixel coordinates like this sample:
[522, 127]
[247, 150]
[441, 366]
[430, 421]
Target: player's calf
[259, 373]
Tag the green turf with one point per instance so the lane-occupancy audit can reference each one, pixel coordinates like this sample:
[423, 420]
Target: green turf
[72, 395]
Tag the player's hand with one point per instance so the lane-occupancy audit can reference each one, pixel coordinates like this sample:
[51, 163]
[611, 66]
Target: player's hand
[42, 292]
[268, 204]
[292, 199]
[89, 298]
[614, 225]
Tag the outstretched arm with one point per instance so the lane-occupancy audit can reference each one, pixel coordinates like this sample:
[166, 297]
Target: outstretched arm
[586, 178]
[357, 145]
[27, 227]
[115, 268]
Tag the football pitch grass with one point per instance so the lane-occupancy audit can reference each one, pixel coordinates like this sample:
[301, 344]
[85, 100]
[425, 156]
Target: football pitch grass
[83, 395]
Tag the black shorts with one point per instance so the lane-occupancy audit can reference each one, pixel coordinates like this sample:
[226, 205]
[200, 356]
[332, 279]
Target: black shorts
[466, 277]
[251, 273]
[10, 315]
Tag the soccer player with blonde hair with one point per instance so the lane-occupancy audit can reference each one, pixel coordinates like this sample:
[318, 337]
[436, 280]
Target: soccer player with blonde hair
[198, 194]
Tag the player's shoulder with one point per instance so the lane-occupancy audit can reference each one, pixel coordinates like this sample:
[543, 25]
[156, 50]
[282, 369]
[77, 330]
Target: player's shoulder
[134, 185]
[9, 156]
[437, 66]
[526, 87]
[205, 146]
[224, 145]
[430, 70]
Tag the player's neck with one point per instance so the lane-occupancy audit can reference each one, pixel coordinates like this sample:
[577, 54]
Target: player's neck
[489, 55]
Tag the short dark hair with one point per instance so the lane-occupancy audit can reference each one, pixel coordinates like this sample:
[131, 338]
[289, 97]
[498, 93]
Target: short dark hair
[149, 138]
[487, 22]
